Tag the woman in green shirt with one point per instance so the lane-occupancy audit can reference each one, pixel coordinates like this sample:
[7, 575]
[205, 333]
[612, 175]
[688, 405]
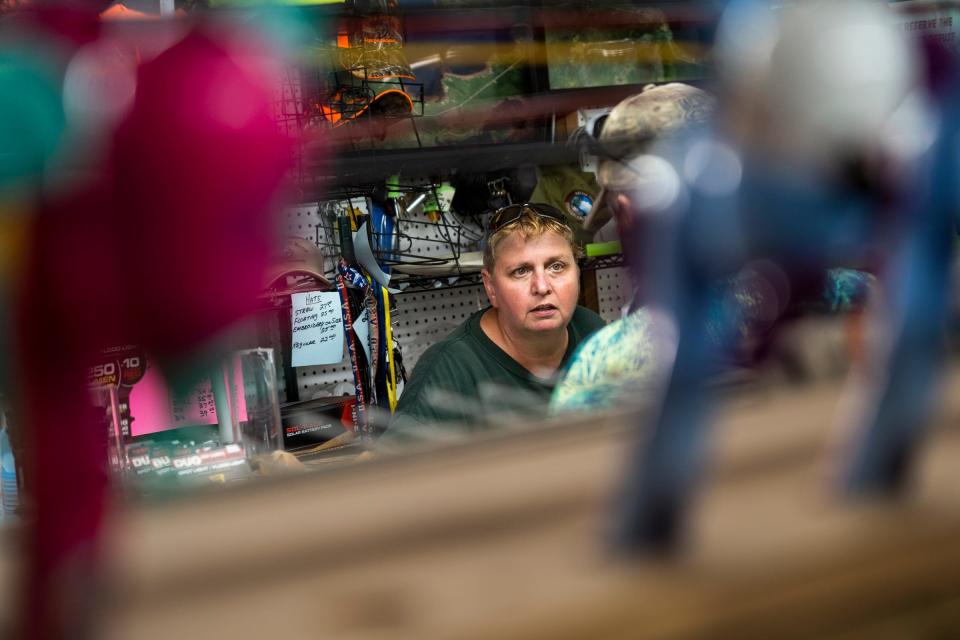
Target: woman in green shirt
[503, 360]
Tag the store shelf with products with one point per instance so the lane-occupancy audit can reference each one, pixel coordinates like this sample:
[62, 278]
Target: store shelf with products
[492, 96]
[491, 81]
[494, 104]
[346, 171]
[431, 247]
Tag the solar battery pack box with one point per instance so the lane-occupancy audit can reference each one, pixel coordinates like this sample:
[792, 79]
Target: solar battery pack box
[311, 422]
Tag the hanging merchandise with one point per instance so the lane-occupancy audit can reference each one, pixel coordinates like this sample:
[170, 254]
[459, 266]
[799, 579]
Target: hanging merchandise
[353, 101]
[438, 207]
[365, 257]
[384, 231]
[374, 77]
[390, 375]
[345, 271]
[384, 212]
[394, 196]
[300, 267]
[371, 327]
[398, 370]
[347, 316]
[433, 205]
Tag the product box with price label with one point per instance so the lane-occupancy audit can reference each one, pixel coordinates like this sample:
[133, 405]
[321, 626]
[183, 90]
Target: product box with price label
[311, 422]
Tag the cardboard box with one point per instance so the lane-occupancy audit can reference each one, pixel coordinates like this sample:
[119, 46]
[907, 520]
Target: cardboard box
[311, 422]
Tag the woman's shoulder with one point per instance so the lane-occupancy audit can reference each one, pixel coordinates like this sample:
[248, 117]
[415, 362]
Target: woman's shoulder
[586, 320]
[459, 341]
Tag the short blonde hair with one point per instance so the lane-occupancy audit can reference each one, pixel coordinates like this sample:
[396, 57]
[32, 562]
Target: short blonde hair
[529, 225]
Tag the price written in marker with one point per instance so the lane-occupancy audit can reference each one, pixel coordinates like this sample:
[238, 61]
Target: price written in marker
[317, 329]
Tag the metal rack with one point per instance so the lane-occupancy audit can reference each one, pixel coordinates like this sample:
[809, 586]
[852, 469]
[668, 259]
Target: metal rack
[352, 94]
[423, 238]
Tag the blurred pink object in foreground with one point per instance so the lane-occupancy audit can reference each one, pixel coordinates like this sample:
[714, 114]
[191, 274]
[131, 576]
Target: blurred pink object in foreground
[196, 166]
[165, 249]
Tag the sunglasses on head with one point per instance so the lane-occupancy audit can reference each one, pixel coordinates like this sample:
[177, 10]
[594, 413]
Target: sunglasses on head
[511, 213]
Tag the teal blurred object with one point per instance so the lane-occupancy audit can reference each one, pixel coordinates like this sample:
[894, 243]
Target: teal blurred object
[32, 119]
[846, 289]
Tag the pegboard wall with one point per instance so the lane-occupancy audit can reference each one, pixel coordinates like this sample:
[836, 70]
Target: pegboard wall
[304, 221]
[300, 221]
[419, 236]
[613, 291]
[426, 317]
[422, 318]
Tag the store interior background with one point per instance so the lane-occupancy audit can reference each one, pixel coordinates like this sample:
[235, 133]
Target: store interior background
[498, 534]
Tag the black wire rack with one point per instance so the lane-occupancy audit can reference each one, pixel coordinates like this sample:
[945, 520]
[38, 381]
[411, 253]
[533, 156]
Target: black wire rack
[352, 95]
[418, 239]
[602, 262]
[423, 252]
[330, 90]
[363, 76]
[294, 118]
[420, 247]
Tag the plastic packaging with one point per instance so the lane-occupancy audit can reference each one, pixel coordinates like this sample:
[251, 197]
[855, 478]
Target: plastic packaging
[259, 418]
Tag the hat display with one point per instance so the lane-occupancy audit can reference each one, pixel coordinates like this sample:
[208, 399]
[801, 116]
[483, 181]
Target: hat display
[374, 51]
[630, 128]
[299, 257]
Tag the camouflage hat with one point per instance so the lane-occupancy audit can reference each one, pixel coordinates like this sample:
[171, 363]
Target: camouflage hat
[633, 124]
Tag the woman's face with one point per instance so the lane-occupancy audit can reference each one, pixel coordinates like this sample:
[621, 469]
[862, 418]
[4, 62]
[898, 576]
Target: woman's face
[534, 284]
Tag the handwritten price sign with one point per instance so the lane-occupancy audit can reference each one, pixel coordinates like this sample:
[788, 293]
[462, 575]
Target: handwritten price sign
[317, 328]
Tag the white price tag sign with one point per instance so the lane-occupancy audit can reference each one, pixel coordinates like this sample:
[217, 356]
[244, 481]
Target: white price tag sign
[317, 328]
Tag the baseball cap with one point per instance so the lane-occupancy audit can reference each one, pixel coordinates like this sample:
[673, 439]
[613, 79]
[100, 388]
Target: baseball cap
[631, 127]
[299, 257]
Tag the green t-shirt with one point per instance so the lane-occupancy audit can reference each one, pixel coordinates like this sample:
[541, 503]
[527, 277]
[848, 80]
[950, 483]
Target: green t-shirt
[467, 383]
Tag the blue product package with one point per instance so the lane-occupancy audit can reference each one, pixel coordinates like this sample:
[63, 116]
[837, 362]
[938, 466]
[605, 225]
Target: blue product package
[383, 235]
